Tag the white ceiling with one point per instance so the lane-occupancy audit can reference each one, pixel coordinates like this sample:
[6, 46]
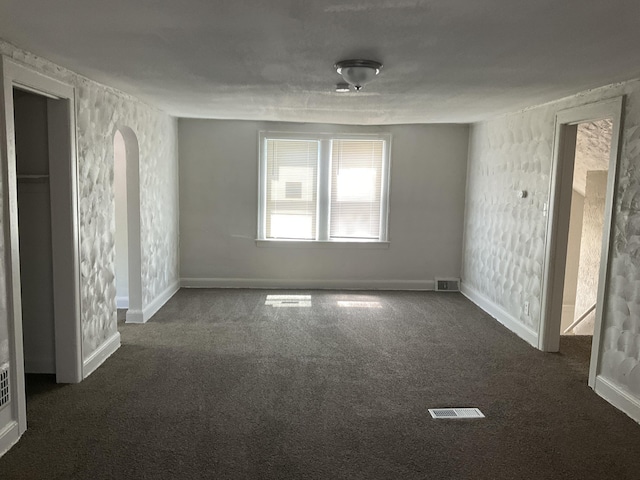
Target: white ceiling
[444, 60]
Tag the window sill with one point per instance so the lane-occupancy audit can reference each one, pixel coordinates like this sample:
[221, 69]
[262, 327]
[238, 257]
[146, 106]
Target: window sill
[322, 244]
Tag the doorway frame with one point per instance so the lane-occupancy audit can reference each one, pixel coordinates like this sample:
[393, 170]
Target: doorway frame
[566, 125]
[65, 231]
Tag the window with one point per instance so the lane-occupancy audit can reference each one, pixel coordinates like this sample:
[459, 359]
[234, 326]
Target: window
[331, 188]
[291, 193]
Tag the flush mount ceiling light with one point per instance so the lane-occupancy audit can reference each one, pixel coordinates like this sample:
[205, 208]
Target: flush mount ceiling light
[358, 72]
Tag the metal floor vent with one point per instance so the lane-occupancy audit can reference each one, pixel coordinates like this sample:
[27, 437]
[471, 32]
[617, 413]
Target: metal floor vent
[456, 413]
[4, 386]
[447, 284]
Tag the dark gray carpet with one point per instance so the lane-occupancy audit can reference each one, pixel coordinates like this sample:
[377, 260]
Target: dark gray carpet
[218, 385]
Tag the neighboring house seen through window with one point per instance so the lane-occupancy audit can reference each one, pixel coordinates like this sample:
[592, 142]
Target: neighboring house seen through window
[323, 187]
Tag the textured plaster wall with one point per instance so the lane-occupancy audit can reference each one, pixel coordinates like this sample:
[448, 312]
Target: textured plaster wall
[100, 110]
[573, 261]
[505, 236]
[593, 144]
[590, 249]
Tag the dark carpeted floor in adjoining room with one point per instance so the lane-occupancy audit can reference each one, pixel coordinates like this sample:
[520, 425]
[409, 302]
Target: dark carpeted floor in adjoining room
[219, 385]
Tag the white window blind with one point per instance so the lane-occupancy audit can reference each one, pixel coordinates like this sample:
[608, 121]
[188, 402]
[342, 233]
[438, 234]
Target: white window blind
[291, 189]
[356, 189]
[324, 187]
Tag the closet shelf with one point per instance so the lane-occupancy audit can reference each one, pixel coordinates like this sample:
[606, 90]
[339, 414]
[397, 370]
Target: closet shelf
[32, 178]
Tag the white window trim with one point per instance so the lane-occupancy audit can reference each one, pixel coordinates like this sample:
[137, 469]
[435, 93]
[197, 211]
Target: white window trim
[324, 178]
[342, 243]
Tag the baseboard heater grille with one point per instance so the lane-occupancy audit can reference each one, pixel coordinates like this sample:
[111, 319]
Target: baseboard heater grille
[447, 284]
[4, 386]
[456, 413]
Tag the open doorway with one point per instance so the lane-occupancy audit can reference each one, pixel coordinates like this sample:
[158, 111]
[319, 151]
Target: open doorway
[126, 186]
[584, 243]
[39, 175]
[579, 234]
[34, 223]
[48, 288]
[122, 248]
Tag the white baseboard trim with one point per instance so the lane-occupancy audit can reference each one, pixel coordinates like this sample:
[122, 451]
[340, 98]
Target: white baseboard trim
[307, 284]
[103, 352]
[617, 397]
[151, 309]
[500, 314]
[122, 302]
[134, 316]
[143, 316]
[9, 436]
[39, 365]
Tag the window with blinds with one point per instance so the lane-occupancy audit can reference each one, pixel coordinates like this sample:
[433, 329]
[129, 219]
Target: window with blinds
[323, 187]
[292, 185]
[356, 188]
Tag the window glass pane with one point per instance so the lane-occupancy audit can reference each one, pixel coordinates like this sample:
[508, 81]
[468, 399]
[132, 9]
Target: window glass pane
[356, 188]
[291, 177]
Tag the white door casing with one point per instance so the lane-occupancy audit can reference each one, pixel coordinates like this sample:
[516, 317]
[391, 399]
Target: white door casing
[558, 222]
[65, 235]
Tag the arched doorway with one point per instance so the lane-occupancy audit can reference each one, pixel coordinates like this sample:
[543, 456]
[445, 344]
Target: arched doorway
[128, 268]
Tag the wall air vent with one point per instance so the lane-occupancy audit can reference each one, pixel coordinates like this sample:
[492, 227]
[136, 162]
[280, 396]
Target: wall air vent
[447, 284]
[455, 413]
[4, 386]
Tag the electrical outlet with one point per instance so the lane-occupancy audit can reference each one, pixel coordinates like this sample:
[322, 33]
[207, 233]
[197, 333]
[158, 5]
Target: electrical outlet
[526, 308]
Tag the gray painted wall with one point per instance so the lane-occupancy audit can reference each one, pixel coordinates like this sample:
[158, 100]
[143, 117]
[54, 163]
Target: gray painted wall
[505, 235]
[100, 110]
[219, 204]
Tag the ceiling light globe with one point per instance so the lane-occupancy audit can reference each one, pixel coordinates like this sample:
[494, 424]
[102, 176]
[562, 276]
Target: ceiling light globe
[358, 72]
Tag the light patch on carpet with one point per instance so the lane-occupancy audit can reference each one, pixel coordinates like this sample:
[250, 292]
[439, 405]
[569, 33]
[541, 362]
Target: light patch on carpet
[288, 301]
[355, 304]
